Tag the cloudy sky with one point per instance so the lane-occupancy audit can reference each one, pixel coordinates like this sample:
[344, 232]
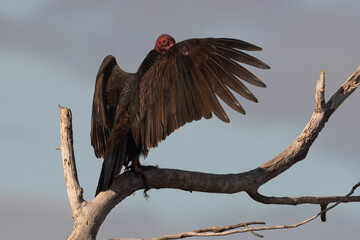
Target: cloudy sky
[50, 52]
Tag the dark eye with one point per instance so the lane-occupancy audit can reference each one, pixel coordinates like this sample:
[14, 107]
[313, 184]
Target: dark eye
[164, 41]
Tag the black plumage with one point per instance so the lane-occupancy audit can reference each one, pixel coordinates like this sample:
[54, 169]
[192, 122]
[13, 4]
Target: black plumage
[174, 85]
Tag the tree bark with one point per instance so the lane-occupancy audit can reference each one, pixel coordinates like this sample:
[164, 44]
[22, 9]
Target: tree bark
[88, 216]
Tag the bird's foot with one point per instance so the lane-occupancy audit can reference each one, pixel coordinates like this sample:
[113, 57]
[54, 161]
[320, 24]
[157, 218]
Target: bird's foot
[138, 169]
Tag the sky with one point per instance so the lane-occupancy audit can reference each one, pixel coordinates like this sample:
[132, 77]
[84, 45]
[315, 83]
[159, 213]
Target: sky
[50, 52]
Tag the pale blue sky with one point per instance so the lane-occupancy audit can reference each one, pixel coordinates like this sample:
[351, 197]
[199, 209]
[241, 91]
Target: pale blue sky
[50, 52]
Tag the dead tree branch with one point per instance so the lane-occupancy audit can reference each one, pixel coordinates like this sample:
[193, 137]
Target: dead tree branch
[298, 150]
[75, 192]
[88, 216]
[227, 230]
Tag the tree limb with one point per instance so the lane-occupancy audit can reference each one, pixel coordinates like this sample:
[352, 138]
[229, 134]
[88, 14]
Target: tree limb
[227, 230]
[300, 200]
[249, 181]
[75, 192]
[298, 150]
[320, 93]
[88, 216]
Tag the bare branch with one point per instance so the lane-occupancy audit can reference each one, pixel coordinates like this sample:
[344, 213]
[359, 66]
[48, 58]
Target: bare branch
[226, 228]
[206, 232]
[88, 216]
[127, 183]
[300, 200]
[344, 91]
[248, 181]
[298, 150]
[320, 93]
[222, 231]
[75, 192]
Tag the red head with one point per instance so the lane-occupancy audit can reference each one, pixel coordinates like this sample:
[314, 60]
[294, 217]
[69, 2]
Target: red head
[164, 43]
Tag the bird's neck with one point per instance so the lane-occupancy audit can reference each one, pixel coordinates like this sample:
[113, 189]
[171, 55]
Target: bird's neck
[148, 62]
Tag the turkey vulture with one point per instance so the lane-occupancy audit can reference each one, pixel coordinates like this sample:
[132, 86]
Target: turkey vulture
[176, 83]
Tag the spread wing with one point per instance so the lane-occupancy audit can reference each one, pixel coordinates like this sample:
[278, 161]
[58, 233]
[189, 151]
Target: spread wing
[109, 83]
[183, 85]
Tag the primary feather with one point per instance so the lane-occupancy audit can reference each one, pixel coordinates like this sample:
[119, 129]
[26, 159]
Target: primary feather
[174, 85]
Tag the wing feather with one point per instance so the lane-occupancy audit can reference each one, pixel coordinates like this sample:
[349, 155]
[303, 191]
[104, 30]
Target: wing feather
[215, 104]
[241, 57]
[239, 44]
[109, 82]
[185, 83]
[232, 82]
[204, 92]
[238, 70]
[221, 89]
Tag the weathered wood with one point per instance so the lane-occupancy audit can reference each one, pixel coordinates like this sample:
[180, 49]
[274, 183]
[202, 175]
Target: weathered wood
[233, 229]
[75, 192]
[88, 216]
[298, 150]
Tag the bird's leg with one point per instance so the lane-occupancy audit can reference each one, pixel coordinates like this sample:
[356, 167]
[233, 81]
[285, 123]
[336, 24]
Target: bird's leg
[138, 169]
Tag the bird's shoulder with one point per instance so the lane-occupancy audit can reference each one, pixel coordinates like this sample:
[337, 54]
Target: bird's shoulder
[185, 82]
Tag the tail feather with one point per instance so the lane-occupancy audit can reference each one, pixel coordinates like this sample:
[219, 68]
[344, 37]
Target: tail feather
[111, 166]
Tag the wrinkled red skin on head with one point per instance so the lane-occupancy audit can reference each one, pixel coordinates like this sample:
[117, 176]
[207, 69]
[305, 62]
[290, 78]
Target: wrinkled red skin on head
[164, 43]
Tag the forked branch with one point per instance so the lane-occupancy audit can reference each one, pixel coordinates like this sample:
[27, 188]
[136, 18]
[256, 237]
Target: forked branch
[88, 216]
[227, 230]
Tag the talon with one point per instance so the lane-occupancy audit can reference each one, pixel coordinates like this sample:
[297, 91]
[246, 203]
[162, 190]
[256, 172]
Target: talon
[139, 171]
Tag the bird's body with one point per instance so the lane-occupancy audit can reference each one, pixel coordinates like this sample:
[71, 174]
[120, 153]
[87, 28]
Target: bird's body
[175, 84]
